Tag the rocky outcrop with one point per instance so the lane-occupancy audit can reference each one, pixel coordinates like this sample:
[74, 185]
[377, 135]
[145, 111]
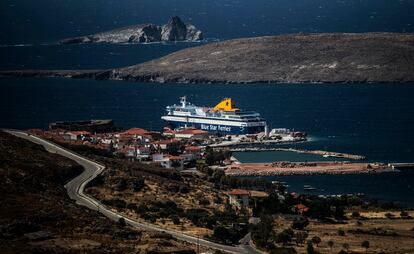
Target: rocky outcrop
[294, 58]
[174, 30]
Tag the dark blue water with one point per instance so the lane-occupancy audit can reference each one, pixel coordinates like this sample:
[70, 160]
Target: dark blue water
[396, 187]
[272, 156]
[372, 120]
[27, 21]
[98, 56]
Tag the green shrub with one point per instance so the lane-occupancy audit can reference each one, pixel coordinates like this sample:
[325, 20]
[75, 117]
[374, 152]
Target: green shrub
[300, 223]
[121, 222]
[404, 214]
[175, 219]
[355, 214]
[341, 232]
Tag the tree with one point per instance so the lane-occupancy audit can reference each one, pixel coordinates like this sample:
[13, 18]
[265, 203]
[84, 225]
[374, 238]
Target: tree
[355, 214]
[121, 222]
[300, 223]
[220, 232]
[300, 237]
[284, 237]
[309, 248]
[121, 185]
[316, 240]
[330, 244]
[365, 244]
[341, 232]
[346, 246]
[175, 219]
[263, 231]
[404, 214]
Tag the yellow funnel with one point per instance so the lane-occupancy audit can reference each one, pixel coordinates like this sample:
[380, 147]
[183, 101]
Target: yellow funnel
[227, 105]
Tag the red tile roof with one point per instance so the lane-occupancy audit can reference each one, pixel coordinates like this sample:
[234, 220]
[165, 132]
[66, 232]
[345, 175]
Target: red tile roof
[136, 131]
[174, 158]
[165, 141]
[192, 148]
[302, 207]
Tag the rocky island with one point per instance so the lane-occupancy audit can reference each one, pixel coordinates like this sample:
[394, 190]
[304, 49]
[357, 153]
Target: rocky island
[174, 30]
[293, 58]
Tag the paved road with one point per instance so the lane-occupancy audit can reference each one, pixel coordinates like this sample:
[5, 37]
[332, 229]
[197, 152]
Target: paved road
[76, 192]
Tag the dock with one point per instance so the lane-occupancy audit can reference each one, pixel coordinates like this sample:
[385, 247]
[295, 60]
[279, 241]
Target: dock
[397, 165]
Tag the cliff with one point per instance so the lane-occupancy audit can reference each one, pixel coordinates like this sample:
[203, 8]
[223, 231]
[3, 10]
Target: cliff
[174, 30]
[294, 58]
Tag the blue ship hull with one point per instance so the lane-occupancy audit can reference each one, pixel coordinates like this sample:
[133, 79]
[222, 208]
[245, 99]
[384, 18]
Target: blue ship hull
[217, 128]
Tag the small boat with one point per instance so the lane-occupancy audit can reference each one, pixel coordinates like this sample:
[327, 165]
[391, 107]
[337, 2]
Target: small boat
[308, 187]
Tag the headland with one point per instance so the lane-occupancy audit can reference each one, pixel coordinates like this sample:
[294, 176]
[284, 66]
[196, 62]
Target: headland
[294, 58]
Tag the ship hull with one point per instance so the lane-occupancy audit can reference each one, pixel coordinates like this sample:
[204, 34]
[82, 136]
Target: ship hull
[219, 127]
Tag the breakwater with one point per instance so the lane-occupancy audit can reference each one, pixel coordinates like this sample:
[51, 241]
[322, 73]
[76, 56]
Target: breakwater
[315, 152]
[305, 168]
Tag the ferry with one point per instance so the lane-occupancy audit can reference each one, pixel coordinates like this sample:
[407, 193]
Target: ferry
[224, 118]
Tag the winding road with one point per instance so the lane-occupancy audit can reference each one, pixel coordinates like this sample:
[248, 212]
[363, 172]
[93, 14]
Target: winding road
[76, 186]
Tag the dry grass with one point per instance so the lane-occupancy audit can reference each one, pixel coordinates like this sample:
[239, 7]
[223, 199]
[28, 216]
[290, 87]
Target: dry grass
[402, 242]
[156, 189]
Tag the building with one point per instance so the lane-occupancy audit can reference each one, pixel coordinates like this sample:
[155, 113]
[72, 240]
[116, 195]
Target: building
[169, 161]
[191, 133]
[239, 197]
[191, 153]
[300, 209]
[79, 135]
[166, 145]
[137, 134]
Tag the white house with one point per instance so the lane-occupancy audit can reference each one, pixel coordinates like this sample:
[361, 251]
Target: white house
[239, 197]
[169, 161]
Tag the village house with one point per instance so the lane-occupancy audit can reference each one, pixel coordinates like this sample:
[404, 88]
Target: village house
[191, 133]
[300, 209]
[78, 135]
[170, 145]
[191, 153]
[169, 161]
[137, 134]
[135, 153]
[238, 197]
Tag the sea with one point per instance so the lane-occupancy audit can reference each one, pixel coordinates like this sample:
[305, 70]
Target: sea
[374, 120]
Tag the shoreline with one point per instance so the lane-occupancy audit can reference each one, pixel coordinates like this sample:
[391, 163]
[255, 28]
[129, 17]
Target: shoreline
[105, 74]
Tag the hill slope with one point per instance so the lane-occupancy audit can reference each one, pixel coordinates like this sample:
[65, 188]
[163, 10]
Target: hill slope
[369, 57]
[37, 216]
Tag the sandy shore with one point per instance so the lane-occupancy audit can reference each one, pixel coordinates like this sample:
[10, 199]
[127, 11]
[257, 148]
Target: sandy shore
[303, 168]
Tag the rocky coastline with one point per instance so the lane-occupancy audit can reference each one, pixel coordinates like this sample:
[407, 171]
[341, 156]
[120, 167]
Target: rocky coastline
[174, 30]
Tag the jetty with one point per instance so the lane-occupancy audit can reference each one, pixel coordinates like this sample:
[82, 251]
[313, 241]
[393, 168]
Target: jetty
[315, 152]
[305, 168]
[396, 165]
